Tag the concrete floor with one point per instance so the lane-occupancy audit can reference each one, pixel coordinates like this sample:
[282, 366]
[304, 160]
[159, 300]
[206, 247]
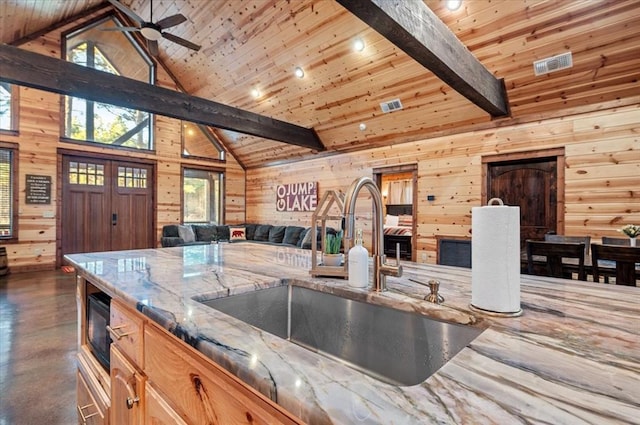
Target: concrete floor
[38, 325]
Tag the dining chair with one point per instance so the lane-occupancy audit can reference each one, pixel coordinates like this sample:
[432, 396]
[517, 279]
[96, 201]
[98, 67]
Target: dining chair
[555, 253]
[608, 240]
[625, 257]
[586, 240]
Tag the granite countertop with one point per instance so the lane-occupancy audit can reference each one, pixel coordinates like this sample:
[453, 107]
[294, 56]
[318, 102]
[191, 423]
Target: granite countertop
[573, 357]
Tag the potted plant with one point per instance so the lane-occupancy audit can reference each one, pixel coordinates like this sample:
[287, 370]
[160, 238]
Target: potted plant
[632, 231]
[332, 255]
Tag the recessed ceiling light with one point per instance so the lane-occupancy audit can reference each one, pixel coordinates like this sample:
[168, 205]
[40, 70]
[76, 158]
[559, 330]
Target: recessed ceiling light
[298, 72]
[454, 4]
[358, 45]
[362, 126]
[255, 93]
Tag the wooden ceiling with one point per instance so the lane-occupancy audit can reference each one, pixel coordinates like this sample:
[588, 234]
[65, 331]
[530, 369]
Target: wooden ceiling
[257, 44]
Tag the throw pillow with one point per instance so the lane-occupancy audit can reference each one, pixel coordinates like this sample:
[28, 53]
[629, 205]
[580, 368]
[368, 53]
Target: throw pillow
[237, 234]
[405, 220]
[206, 232]
[305, 241]
[251, 231]
[276, 234]
[391, 220]
[186, 233]
[262, 233]
[223, 232]
[292, 235]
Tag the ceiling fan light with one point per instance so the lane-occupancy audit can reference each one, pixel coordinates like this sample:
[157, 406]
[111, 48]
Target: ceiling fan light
[151, 33]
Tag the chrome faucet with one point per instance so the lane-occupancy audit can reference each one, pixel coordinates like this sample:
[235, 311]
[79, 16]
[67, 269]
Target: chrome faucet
[380, 268]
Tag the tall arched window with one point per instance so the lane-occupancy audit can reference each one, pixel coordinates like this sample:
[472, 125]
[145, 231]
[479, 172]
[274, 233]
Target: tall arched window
[8, 107]
[99, 47]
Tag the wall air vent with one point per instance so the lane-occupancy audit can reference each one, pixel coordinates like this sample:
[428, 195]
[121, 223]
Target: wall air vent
[390, 106]
[554, 63]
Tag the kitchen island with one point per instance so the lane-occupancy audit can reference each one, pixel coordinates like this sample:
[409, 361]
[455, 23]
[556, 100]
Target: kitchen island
[572, 357]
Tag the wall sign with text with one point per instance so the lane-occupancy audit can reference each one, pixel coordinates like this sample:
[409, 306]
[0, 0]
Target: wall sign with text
[38, 189]
[297, 196]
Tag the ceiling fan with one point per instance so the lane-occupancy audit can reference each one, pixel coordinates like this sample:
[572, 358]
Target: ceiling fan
[153, 31]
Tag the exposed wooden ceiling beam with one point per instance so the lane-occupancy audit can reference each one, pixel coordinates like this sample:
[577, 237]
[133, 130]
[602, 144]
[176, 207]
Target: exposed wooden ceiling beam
[414, 28]
[30, 69]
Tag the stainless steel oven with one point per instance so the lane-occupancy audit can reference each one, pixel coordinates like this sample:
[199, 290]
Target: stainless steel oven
[98, 337]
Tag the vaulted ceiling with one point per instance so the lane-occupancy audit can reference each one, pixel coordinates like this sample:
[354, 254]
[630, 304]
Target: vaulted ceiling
[257, 44]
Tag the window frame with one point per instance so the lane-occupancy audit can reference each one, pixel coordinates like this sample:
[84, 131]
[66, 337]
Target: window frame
[14, 150]
[152, 80]
[221, 203]
[210, 135]
[15, 108]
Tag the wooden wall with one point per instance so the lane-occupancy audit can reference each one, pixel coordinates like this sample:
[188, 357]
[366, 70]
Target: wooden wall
[39, 144]
[602, 190]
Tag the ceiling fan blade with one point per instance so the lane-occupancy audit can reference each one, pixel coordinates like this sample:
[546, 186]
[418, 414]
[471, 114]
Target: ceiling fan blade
[153, 47]
[124, 9]
[181, 41]
[122, 29]
[171, 21]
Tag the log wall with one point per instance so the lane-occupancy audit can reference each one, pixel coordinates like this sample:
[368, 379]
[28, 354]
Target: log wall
[39, 146]
[602, 175]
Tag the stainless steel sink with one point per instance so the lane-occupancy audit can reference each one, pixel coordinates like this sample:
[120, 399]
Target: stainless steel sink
[394, 346]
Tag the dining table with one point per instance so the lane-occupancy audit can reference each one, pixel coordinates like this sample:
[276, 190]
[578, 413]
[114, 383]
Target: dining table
[607, 268]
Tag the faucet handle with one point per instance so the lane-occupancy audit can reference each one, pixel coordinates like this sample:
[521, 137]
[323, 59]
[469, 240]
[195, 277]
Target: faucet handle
[390, 269]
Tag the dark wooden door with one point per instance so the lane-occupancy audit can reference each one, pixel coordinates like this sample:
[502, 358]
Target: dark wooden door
[531, 185]
[106, 205]
[132, 207]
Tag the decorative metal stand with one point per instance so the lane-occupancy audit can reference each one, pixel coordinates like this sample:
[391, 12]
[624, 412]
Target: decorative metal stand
[322, 214]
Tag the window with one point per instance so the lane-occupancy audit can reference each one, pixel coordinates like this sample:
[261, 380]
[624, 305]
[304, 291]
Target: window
[113, 52]
[199, 141]
[86, 173]
[202, 196]
[8, 192]
[8, 107]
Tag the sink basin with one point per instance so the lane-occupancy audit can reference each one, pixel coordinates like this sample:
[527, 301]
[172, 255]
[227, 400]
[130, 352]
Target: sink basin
[394, 346]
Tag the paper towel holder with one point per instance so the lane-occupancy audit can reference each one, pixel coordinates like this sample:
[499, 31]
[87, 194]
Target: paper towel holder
[495, 202]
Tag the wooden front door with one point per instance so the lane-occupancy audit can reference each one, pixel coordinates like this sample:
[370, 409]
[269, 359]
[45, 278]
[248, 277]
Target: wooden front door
[533, 186]
[107, 205]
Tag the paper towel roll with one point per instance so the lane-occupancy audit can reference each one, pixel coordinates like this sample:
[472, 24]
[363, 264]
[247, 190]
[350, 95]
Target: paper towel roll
[495, 256]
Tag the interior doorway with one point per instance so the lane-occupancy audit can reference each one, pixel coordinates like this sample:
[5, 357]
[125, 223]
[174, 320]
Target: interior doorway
[107, 204]
[533, 181]
[399, 188]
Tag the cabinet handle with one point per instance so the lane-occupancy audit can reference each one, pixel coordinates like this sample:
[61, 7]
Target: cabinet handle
[82, 416]
[129, 384]
[113, 332]
[132, 401]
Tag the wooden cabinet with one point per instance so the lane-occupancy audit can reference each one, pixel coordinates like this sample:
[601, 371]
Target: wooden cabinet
[157, 411]
[93, 381]
[202, 391]
[125, 327]
[90, 411]
[156, 379]
[127, 390]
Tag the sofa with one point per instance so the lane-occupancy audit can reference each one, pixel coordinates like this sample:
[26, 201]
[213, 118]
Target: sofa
[200, 234]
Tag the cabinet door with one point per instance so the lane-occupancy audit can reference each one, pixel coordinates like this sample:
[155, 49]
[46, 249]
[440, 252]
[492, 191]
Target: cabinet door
[157, 411]
[88, 411]
[202, 391]
[127, 385]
